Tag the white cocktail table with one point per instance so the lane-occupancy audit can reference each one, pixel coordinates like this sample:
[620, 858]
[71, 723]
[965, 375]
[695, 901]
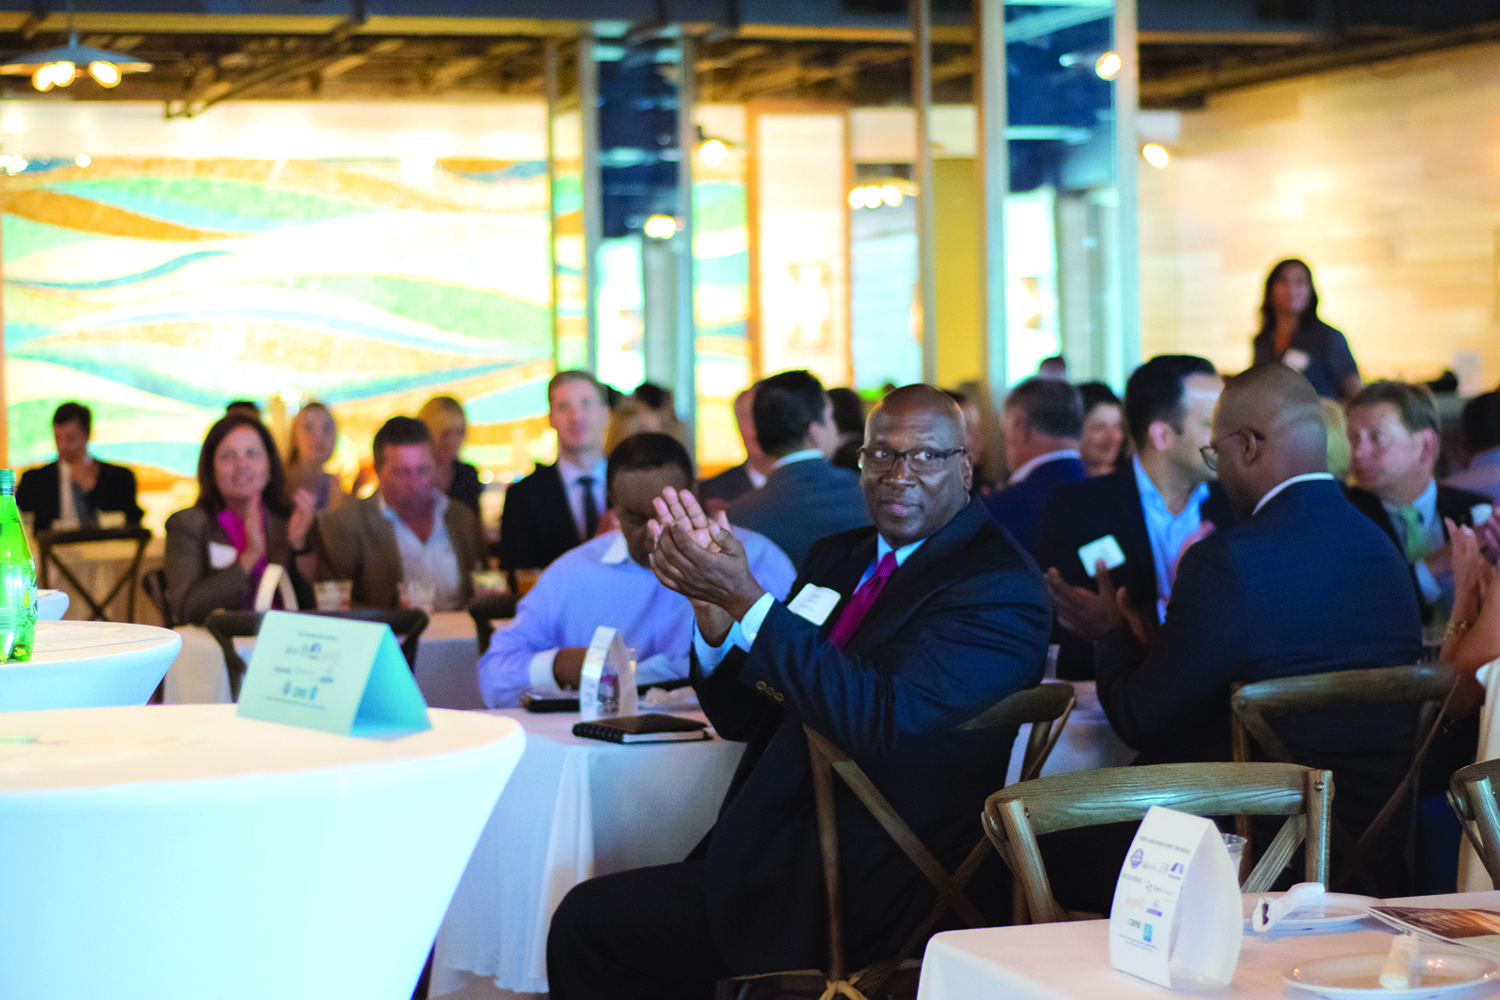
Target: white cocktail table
[179, 851]
[87, 665]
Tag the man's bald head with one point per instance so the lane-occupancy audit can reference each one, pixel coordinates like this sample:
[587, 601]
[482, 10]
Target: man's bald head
[913, 470]
[922, 399]
[1268, 427]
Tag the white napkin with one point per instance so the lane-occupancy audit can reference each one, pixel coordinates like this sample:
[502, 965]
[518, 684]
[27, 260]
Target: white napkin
[1267, 910]
[1400, 969]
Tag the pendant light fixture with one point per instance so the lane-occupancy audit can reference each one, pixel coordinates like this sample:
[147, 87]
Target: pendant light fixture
[59, 67]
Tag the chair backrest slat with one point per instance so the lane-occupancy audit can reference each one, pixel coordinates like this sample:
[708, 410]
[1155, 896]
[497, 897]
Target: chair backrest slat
[1471, 793]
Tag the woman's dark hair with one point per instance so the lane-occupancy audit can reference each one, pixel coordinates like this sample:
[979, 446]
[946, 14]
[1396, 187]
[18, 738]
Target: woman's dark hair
[1268, 311]
[1096, 394]
[209, 497]
[848, 411]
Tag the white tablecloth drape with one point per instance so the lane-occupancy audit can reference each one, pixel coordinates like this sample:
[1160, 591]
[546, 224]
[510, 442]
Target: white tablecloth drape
[179, 851]
[87, 665]
[1087, 741]
[575, 808]
[1070, 960]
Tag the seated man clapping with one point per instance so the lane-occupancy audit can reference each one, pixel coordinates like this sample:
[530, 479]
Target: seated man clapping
[608, 581]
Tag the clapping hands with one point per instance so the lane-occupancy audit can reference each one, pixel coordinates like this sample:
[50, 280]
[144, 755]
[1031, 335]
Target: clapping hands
[703, 561]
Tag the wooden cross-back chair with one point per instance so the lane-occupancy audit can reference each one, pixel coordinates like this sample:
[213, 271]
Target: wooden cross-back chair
[49, 542]
[226, 626]
[1426, 687]
[1015, 816]
[1046, 707]
[1471, 793]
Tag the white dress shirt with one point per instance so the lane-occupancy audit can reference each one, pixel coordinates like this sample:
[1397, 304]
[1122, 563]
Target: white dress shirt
[432, 561]
[1306, 477]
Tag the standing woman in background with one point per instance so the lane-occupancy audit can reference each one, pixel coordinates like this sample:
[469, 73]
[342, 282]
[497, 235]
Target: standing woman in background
[1291, 333]
[315, 435]
[448, 424]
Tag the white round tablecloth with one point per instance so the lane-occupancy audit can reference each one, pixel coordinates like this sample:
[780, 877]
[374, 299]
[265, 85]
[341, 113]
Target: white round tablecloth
[51, 605]
[575, 808]
[87, 665]
[180, 851]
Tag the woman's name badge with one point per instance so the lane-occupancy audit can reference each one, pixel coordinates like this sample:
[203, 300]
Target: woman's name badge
[814, 603]
[220, 556]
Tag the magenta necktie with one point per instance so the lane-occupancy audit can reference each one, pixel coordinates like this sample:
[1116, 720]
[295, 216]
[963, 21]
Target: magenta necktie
[864, 598]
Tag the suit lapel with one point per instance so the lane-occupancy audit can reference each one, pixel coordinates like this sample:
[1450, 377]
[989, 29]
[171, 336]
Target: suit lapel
[385, 556]
[560, 503]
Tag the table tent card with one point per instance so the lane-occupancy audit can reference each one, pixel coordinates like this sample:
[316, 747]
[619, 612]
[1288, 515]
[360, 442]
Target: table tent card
[274, 580]
[606, 688]
[335, 674]
[1176, 919]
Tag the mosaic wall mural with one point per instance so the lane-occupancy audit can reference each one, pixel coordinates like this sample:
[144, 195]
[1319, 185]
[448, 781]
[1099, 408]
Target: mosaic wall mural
[155, 290]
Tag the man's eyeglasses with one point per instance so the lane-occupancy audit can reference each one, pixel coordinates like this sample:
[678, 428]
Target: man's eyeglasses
[1210, 451]
[879, 459]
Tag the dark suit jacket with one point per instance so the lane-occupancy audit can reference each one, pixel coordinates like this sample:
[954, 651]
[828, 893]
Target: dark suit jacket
[801, 503]
[1020, 507]
[357, 543]
[1081, 512]
[466, 487]
[961, 625]
[1329, 361]
[728, 486]
[1452, 503]
[536, 524]
[1306, 586]
[37, 492]
[195, 589]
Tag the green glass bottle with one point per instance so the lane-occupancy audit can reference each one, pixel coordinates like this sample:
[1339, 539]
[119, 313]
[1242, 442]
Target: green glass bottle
[17, 577]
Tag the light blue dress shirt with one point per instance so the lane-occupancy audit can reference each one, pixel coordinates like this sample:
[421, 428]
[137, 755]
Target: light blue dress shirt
[596, 584]
[1432, 527]
[1167, 531]
[743, 632]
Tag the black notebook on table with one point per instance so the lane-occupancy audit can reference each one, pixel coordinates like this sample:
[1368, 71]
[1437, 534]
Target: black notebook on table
[653, 727]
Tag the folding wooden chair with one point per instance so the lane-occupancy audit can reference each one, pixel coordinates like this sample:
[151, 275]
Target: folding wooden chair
[226, 626]
[1015, 816]
[1426, 687]
[49, 542]
[1047, 708]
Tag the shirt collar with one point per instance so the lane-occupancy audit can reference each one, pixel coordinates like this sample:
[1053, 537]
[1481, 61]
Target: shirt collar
[617, 552]
[1052, 456]
[1486, 459]
[571, 473]
[1306, 477]
[1426, 504]
[1151, 495]
[757, 478]
[882, 547]
[439, 507]
[798, 456]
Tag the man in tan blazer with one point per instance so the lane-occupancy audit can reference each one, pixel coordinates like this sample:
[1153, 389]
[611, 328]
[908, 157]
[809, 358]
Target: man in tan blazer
[407, 532]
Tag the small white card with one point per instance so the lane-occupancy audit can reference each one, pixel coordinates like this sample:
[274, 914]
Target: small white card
[1296, 360]
[605, 693]
[1480, 513]
[221, 556]
[1105, 548]
[1176, 919]
[814, 603]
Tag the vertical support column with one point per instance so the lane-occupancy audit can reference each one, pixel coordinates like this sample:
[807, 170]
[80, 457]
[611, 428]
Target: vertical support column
[994, 185]
[921, 96]
[593, 210]
[554, 98]
[1123, 355]
[686, 391]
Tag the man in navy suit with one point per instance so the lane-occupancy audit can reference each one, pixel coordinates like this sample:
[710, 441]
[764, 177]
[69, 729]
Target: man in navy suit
[1159, 501]
[558, 506]
[804, 498]
[897, 635]
[1043, 421]
[1305, 584]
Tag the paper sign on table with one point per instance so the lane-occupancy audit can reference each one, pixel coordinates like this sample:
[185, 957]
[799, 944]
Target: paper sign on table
[273, 580]
[606, 688]
[1176, 918]
[334, 674]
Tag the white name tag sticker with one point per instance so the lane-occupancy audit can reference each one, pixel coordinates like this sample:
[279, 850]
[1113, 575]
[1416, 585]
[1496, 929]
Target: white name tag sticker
[1480, 512]
[814, 603]
[221, 555]
[1105, 548]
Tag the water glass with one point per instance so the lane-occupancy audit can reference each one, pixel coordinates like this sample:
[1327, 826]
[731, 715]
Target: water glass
[334, 595]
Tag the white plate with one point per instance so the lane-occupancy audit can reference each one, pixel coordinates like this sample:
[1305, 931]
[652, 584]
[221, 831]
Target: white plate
[1329, 910]
[1359, 975]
